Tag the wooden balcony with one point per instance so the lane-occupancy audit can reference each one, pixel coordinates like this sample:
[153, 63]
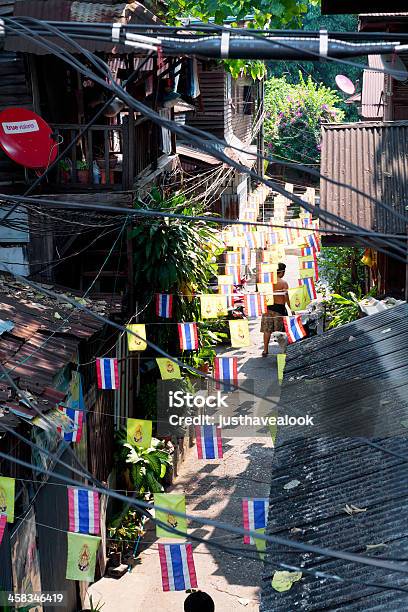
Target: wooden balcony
[106, 157]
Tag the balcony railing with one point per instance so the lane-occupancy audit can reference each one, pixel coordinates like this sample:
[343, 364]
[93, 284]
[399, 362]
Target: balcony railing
[106, 156]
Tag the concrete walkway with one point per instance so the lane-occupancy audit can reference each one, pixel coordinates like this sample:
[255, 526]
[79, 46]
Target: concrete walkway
[214, 489]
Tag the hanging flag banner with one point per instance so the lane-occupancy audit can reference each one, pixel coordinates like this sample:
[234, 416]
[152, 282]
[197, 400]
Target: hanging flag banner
[312, 240]
[168, 369]
[307, 251]
[237, 242]
[294, 329]
[298, 298]
[164, 305]
[310, 286]
[209, 442]
[255, 515]
[307, 273]
[234, 270]
[270, 257]
[170, 501]
[83, 511]
[260, 544]
[254, 304]
[239, 333]
[139, 432]
[213, 306]
[245, 256]
[225, 279]
[232, 257]
[226, 369]
[136, 342]
[81, 558]
[3, 521]
[250, 240]
[265, 288]
[71, 431]
[7, 496]
[188, 336]
[225, 289]
[177, 567]
[107, 373]
[280, 362]
[306, 258]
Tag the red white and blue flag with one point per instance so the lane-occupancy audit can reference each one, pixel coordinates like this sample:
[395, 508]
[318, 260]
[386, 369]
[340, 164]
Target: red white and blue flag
[188, 336]
[255, 305]
[177, 567]
[310, 286]
[313, 241]
[164, 305]
[209, 442]
[255, 514]
[250, 239]
[266, 277]
[311, 265]
[76, 419]
[233, 270]
[225, 369]
[245, 256]
[107, 373]
[308, 251]
[232, 257]
[294, 328]
[83, 511]
[3, 521]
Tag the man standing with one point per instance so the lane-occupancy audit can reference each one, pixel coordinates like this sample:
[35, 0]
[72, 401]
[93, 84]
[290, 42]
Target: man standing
[272, 320]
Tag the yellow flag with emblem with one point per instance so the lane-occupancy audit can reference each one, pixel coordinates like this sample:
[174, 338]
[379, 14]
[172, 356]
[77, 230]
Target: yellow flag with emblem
[139, 432]
[239, 333]
[307, 273]
[298, 298]
[168, 369]
[7, 495]
[136, 342]
[281, 362]
[260, 544]
[213, 305]
[225, 279]
[171, 502]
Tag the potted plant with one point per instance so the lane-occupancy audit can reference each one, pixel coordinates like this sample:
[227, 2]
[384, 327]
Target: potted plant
[65, 168]
[93, 607]
[113, 160]
[82, 169]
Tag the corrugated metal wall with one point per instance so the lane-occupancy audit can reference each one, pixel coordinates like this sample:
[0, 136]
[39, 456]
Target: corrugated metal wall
[372, 157]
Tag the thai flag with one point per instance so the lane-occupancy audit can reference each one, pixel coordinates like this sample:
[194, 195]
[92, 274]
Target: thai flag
[245, 256]
[271, 239]
[266, 277]
[83, 511]
[232, 257]
[107, 373]
[188, 336]
[76, 417]
[209, 442]
[164, 305]
[225, 368]
[307, 251]
[250, 240]
[255, 514]
[3, 521]
[294, 328]
[310, 286]
[177, 567]
[225, 289]
[311, 265]
[255, 304]
[313, 241]
[233, 271]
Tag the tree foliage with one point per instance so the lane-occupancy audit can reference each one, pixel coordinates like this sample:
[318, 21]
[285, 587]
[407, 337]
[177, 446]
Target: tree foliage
[342, 269]
[294, 114]
[265, 14]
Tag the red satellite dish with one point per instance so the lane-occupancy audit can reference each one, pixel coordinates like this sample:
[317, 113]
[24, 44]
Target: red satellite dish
[27, 138]
[345, 84]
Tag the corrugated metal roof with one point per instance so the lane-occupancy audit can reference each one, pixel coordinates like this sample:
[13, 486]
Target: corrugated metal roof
[88, 12]
[372, 98]
[372, 157]
[333, 471]
[34, 318]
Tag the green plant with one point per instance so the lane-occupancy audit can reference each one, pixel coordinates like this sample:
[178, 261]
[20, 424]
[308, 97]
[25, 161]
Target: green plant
[294, 115]
[82, 165]
[342, 310]
[65, 164]
[95, 608]
[125, 528]
[342, 270]
[144, 468]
